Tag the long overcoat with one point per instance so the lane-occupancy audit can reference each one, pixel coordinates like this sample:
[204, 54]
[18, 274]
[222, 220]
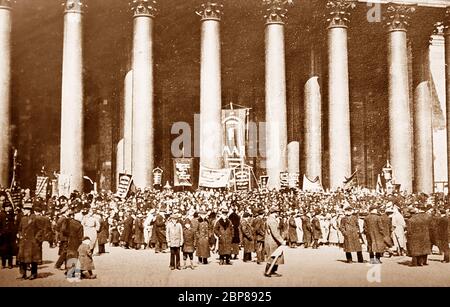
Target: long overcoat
[224, 231]
[418, 234]
[350, 230]
[273, 239]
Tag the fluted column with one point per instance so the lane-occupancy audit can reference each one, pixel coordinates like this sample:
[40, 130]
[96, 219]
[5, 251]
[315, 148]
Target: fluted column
[313, 117]
[275, 88]
[210, 85]
[400, 134]
[128, 123]
[423, 130]
[338, 92]
[142, 65]
[5, 90]
[71, 157]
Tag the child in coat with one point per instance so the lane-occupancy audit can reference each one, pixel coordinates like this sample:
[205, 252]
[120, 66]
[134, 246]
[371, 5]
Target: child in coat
[188, 244]
[85, 259]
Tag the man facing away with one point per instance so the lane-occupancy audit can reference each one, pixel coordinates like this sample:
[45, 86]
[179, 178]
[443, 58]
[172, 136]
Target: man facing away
[272, 241]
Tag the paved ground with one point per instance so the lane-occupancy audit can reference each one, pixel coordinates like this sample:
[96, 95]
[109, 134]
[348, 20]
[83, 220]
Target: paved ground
[304, 267]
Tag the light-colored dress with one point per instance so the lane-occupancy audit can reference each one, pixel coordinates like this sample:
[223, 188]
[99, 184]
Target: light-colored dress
[298, 222]
[90, 228]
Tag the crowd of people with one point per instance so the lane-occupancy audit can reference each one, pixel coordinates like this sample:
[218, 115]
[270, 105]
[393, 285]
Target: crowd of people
[204, 222]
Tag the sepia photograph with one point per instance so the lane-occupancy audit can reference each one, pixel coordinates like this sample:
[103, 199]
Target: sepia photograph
[242, 145]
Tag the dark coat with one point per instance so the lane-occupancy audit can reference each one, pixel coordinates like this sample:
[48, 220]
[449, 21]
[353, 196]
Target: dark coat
[375, 233]
[442, 234]
[434, 229]
[236, 221]
[74, 232]
[85, 257]
[247, 237]
[139, 231]
[8, 233]
[316, 229]
[307, 230]
[418, 229]
[259, 229]
[103, 233]
[188, 240]
[127, 233]
[350, 230]
[31, 238]
[159, 228]
[387, 222]
[202, 238]
[62, 237]
[224, 231]
[292, 237]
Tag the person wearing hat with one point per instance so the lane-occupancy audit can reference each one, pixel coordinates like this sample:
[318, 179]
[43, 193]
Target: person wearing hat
[316, 230]
[247, 237]
[85, 259]
[398, 232]
[188, 243]
[259, 230]
[292, 230]
[375, 233]
[61, 231]
[350, 230]
[91, 226]
[30, 240]
[307, 230]
[272, 241]
[159, 228]
[442, 234]
[174, 236]
[224, 231]
[203, 234]
[127, 233]
[8, 233]
[418, 228]
[139, 241]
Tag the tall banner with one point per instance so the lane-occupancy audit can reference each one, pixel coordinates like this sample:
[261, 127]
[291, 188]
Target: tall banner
[123, 188]
[311, 185]
[263, 180]
[64, 185]
[242, 178]
[234, 123]
[284, 179]
[41, 187]
[182, 172]
[294, 180]
[54, 184]
[157, 176]
[214, 178]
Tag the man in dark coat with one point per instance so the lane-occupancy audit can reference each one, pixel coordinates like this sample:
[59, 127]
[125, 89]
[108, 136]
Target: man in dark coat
[292, 232]
[247, 237]
[62, 237]
[159, 227]
[202, 238]
[350, 229]
[139, 232]
[8, 232]
[30, 240]
[259, 229]
[236, 221]
[375, 233]
[127, 233]
[224, 231]
[316, 230]
[103, 234]
[418, 236]
[442, 235]
[307, 230]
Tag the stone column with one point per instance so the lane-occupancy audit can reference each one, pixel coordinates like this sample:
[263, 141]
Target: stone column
[275, 85]
[5, 90]
[71, 157]
[313, 117]
[423, 130]
[128, 123]
[293, 157]
[338, 92]
[210, 85]
[142, 65]
[400, 134]
[447, 87]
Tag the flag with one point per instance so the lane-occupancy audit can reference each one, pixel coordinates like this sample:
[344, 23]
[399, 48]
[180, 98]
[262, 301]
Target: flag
[379, 187]
[312, 185]
[41, 186]
[351, 181]
[157, 176]
[123, 188]
[182, 168]
[64, 185]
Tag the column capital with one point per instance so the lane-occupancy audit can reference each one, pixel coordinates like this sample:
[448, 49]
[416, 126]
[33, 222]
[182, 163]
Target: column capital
[439, 28]
[74, 6]
[446, 23]
[144, 8]
[6, 4]
[276, 10]
[398, 16]
[210, 10]
[339, 12]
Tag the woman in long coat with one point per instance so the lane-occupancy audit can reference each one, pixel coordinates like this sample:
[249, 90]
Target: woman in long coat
[138, 232]
[202, 239]
[224, 231]
[333, 235]
[127, 231]
[350, 231]
[103, 234]
[292, 232]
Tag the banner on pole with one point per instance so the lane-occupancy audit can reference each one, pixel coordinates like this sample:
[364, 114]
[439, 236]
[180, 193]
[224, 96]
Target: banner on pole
[263, 180]
[294, 179]
[234, 122]
[242, 178]
[64, 185]
[157, 176]
[123, 188]
[284, 180]
[182, 168]
[311, 185]
[214, 178]
[41, 187]
[54, 184]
